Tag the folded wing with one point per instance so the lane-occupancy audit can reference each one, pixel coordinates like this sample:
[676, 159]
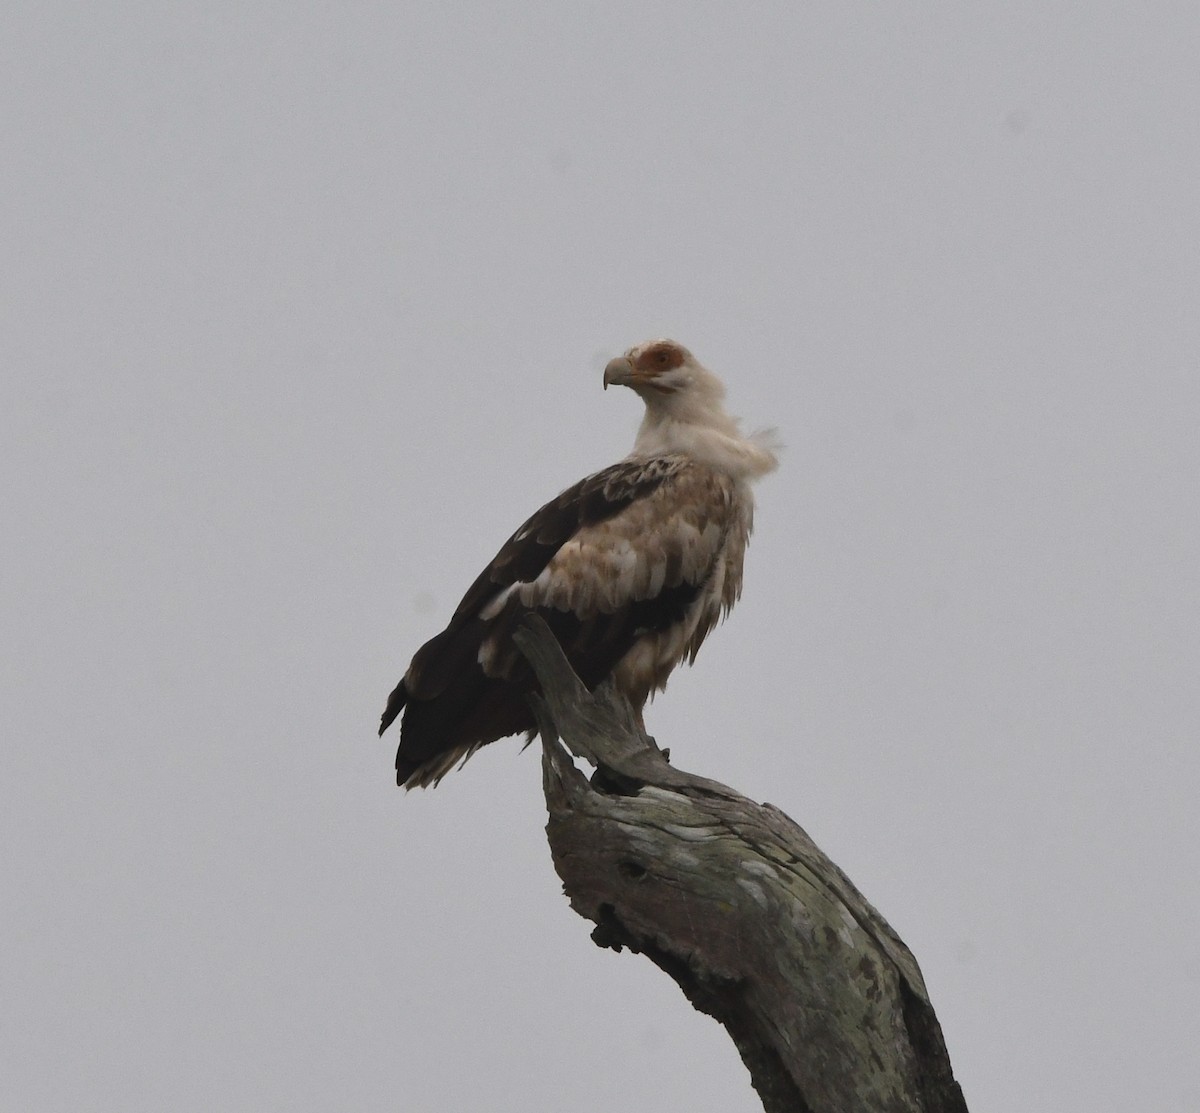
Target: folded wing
[631, 568]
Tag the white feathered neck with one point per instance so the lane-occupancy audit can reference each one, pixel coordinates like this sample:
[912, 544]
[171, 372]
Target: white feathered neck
[690, 418]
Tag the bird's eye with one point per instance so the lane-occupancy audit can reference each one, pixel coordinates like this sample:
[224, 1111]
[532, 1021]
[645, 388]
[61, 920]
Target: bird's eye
[662, 356]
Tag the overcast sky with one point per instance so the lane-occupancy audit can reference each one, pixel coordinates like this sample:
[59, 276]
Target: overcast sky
[305, 308]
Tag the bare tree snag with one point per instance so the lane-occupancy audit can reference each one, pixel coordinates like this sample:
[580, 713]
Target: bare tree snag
[735, 902]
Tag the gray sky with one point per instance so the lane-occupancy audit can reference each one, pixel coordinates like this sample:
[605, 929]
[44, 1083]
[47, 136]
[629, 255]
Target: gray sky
[304, 309]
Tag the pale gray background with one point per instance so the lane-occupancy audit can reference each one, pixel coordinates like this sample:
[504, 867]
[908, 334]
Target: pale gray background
[304, 309]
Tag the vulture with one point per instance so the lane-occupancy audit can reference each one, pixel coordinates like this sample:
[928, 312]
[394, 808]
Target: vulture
[631, 568]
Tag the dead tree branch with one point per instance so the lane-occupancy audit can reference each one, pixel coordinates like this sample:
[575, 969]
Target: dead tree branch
[731, 898]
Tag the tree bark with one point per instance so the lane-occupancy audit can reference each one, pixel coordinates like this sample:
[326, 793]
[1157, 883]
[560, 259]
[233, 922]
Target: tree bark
[734, 901]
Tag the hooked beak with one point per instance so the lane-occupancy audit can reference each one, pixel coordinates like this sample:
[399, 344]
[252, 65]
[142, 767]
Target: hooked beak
[619, 372]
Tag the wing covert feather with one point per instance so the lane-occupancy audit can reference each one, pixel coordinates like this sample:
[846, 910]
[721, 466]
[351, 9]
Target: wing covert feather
[589, 503]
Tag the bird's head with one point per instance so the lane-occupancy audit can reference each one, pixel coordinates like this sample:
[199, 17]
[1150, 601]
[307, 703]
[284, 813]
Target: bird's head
[658, 369]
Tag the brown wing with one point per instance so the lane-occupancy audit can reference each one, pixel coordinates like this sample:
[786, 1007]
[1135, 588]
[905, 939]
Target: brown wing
[622, 553]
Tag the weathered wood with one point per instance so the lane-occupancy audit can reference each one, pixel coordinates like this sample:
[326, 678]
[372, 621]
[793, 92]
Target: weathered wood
[731, 898]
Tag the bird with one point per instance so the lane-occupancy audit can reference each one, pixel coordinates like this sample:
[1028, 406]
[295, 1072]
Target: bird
[631, 568]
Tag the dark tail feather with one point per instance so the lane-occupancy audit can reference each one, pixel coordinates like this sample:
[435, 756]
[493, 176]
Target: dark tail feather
[440, 732]
[395, 705]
